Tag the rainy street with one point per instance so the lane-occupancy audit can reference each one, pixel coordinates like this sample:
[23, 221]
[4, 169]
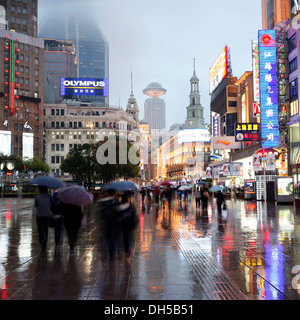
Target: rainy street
[250, 252]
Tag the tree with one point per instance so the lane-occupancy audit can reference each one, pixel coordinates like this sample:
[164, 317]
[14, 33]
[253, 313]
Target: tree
[36, 164]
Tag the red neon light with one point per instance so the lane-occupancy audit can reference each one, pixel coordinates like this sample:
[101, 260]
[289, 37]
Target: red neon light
[12, 99]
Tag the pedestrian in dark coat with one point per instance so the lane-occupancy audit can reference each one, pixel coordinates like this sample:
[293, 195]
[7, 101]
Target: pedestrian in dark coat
[57, 217]
[128, 218]
[72, 220]
[220, 200]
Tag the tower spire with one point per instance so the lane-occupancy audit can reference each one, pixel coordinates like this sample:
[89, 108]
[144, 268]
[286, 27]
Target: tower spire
[131, 81]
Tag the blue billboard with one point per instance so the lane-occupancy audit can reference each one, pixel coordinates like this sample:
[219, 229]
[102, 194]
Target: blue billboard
[83, 87]
[268, 88]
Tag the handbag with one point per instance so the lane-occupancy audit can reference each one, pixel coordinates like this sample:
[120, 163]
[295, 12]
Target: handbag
[83, 221]
[224, 206]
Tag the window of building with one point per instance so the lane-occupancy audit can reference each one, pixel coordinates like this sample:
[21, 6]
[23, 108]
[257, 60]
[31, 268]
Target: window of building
[52, 147]
[292, 42]
[294, 107]
[293, 65]
[294, 90]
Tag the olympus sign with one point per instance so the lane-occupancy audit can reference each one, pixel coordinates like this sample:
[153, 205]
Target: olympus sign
[80, 83]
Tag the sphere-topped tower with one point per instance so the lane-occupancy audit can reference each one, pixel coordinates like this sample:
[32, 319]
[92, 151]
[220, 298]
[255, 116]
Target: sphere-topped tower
[155, 107]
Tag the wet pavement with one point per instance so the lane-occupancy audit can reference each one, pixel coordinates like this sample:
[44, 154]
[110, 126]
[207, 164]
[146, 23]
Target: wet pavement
[249, 252]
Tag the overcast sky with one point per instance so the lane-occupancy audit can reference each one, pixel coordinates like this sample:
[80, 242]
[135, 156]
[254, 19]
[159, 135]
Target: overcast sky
[160, 38]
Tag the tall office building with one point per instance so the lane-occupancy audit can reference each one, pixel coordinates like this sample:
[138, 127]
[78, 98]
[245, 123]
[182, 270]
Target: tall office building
[21, 80]
[74, 22]
[60, 61]
[155, 107]
[273, 12]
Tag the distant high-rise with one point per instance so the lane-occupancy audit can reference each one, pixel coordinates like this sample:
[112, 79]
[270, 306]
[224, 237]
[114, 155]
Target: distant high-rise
[155, 107]
[73, 22]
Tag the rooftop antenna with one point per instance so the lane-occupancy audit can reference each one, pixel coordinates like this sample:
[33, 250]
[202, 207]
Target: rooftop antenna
[131, 81]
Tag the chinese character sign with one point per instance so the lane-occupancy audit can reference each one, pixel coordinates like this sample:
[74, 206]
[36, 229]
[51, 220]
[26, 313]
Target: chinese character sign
[255, 67]
[268, 88]
[216, 124]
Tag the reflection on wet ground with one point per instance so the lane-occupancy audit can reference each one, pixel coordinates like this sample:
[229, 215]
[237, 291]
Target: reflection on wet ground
[251, 251]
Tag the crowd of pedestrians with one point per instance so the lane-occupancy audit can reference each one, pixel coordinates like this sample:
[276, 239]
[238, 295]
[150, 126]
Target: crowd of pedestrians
[118, 215]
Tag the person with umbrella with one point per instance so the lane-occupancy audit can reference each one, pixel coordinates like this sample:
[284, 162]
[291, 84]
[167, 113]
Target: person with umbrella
[72, 199]
[43, 211]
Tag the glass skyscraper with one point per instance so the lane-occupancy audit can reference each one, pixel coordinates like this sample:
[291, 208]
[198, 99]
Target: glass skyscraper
[76, 23]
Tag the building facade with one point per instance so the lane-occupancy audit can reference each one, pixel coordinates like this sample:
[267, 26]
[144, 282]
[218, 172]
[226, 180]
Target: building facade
[72, 124]
[22, 81]
[274, 11]
[60, 61]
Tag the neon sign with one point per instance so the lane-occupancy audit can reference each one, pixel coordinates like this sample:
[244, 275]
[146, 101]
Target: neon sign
[268, 88]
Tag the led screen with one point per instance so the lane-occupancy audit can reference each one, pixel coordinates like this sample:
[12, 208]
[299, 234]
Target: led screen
[5, 142]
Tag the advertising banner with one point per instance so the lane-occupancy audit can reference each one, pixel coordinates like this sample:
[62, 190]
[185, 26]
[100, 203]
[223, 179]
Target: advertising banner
[268, 88]
[226, 142]
[256, 162]
[83, 87]
[5, 142]
[218, 71]
[27, 145]
[255, 69]
[270, 162]
[246, 132]
[216, 124]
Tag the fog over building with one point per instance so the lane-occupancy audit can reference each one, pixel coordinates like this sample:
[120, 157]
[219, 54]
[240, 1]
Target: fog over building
[76, 23]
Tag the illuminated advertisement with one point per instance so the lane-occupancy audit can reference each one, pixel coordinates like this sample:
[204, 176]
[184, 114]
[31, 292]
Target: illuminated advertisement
[249, 186]
[193, 135]
[255, 68]
[5, 142]
[256, 109]
[216, 124]
[27, 145]
[285, 189]
[218, 71]
[83, 87]
[285, 186]
[268, 88]
[246, 132]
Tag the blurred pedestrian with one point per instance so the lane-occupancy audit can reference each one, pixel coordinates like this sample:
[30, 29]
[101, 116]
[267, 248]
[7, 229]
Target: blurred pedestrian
[169, 194]
[57, 217]
[156, 193]
[72, 220]
[220, 200]
[205, 196]
[129, 219]
[43, 211]
[110, 221]
[143, 192]
[197, 197]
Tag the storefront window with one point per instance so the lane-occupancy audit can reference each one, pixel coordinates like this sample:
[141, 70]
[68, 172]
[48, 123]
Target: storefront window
[294, 108]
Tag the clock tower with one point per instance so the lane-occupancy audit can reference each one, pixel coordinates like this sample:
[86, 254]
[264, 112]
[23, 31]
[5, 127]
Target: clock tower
[195, 116]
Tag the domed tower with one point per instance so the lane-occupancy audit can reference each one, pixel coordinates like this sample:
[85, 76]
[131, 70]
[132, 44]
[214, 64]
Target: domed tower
[155, 107]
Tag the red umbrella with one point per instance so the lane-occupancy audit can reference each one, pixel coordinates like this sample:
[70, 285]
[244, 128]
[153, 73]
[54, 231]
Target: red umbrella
[75, 195]
[164, 183]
